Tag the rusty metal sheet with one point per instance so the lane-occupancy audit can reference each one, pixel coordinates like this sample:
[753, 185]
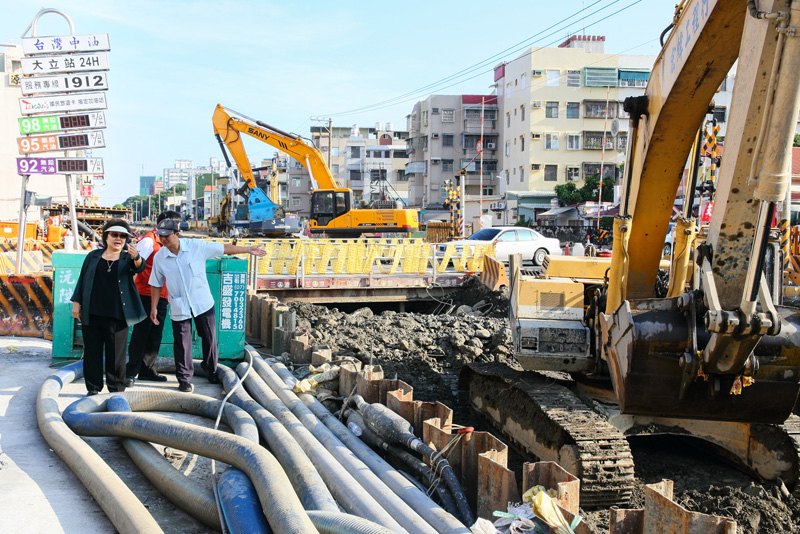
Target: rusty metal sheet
[553, 476]
[26, 306]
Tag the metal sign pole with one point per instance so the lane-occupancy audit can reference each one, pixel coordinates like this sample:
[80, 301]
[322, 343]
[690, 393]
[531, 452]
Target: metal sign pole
[22, 223]
[480, 190]
[72, 216]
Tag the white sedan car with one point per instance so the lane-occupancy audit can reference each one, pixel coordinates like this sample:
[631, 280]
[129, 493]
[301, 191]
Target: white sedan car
[508, 240]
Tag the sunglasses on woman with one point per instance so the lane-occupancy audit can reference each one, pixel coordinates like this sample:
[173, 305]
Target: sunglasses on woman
[117, 234]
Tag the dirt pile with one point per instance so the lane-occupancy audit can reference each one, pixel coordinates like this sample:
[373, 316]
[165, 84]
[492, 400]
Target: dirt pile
[428, 352]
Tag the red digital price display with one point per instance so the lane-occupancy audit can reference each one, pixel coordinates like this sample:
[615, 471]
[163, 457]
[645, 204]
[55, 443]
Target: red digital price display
[74, 121]
[72, 165]
[73, 141]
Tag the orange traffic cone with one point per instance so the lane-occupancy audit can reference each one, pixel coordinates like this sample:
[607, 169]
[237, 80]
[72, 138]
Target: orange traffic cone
[566, 249]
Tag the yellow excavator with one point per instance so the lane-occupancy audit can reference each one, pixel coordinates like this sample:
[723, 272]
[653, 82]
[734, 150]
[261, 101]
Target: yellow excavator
[333, 210]
[718, 358]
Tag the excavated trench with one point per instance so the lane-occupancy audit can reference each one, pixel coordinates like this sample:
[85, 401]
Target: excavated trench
[427, 346]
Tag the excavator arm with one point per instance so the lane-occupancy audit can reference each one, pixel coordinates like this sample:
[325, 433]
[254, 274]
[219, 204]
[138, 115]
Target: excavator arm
[228, 128]
[729, 322]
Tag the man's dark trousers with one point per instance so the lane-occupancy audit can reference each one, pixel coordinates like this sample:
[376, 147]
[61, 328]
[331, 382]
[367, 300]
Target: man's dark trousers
[206, 325]
[146, 340]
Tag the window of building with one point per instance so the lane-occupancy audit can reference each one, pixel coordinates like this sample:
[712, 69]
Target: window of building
[724, 85]
[425, 118]
[522, 81]
[522, 143]
[521, 173]
[596, 109]
[515, 112]
[551, 110]
[573, 173]
[594, 141]
[447, 165]
[508, 177]
[508, 147]
[448, 115]
[355, 152]
[600, 77]
[334, 151]
[335, 168]
[573, 110]
[400, 154]
[447, 139]
[295, 202]
[354, 175]
[593, 169]
[296, 183]
[573, 141]
[488, 190]
[622, 141]
[573, 78]
[551, 141]
[633, 78]
[508, 90]
[551, 173]
[401, 176]
[508, 120]
[522, 112]
[552, 78]
[720, 113]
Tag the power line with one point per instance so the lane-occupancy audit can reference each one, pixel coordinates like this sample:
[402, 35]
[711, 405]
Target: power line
[413, 94]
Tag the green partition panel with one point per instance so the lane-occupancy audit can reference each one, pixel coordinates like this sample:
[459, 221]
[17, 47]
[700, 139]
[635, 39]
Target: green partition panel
[227, 278]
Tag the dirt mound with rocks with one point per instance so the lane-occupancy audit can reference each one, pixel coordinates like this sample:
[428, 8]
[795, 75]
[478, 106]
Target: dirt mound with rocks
[428, 352]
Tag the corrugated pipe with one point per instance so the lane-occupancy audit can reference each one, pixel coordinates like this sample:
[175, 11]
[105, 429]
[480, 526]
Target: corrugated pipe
[121, 506]
[432, 513]
[236, 490]
[356, 424]
[169, 481]
[307, 482]
[399, 510]
[284, 510]
[395, 429]
[347, 491]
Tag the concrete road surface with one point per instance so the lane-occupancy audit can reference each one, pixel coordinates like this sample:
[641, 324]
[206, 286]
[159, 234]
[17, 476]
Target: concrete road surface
[40, 494]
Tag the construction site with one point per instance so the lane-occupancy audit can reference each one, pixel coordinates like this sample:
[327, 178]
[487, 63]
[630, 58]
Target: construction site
[376, 379]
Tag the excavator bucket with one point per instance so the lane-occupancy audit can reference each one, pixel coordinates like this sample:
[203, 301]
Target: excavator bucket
[645, 344]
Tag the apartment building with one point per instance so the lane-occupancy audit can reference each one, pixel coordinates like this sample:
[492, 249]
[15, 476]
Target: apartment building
[553, 105]
[443, 136]
[370, 161]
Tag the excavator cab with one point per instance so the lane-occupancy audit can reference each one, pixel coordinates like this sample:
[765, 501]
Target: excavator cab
[327, 205]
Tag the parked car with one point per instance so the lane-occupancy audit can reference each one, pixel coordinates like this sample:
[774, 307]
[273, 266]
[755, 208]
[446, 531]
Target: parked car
[669, 241]
[508, 240]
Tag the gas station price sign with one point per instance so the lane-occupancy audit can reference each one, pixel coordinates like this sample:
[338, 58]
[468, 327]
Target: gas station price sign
[49, 143]
[54, 123]
[59, 165]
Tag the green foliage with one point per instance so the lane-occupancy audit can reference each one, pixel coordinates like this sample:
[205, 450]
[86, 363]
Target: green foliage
[522, 221]
[796, 140]
[607, 223]
[569, 194]
[119, 207]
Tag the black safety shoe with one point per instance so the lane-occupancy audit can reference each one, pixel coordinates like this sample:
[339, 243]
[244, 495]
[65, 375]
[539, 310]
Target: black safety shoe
[152, 376]
[186, 387]
[92, 392]
[212, 377]
[130, 381]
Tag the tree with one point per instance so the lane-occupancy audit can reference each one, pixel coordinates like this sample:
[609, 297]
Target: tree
[796, 140]
[569, 194]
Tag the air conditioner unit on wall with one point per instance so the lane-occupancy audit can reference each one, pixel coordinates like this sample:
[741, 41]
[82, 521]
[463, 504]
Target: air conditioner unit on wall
[435, 136]
[536, 72]
[497, 206]
[536, 166]
[536, 104]
[535, 135]
[491, 146]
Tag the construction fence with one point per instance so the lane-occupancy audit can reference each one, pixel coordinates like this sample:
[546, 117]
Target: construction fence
[360, 256]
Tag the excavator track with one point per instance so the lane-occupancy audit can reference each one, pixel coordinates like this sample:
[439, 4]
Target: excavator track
[551, 422]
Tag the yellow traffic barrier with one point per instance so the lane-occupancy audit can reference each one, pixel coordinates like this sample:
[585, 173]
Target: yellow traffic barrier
[32, 262]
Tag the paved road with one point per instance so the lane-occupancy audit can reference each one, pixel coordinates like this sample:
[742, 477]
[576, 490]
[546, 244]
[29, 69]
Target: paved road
[40, 493]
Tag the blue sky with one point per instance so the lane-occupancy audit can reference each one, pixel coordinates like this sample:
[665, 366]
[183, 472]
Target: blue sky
[285, 62]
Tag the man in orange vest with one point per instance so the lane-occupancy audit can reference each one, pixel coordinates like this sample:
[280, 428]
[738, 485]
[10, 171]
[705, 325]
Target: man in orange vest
[146, 335]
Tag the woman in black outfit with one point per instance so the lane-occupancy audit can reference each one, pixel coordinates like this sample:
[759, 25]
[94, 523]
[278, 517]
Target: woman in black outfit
[105, 301]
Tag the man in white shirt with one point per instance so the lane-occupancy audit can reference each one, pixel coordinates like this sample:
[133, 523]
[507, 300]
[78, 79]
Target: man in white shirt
[181, 265]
